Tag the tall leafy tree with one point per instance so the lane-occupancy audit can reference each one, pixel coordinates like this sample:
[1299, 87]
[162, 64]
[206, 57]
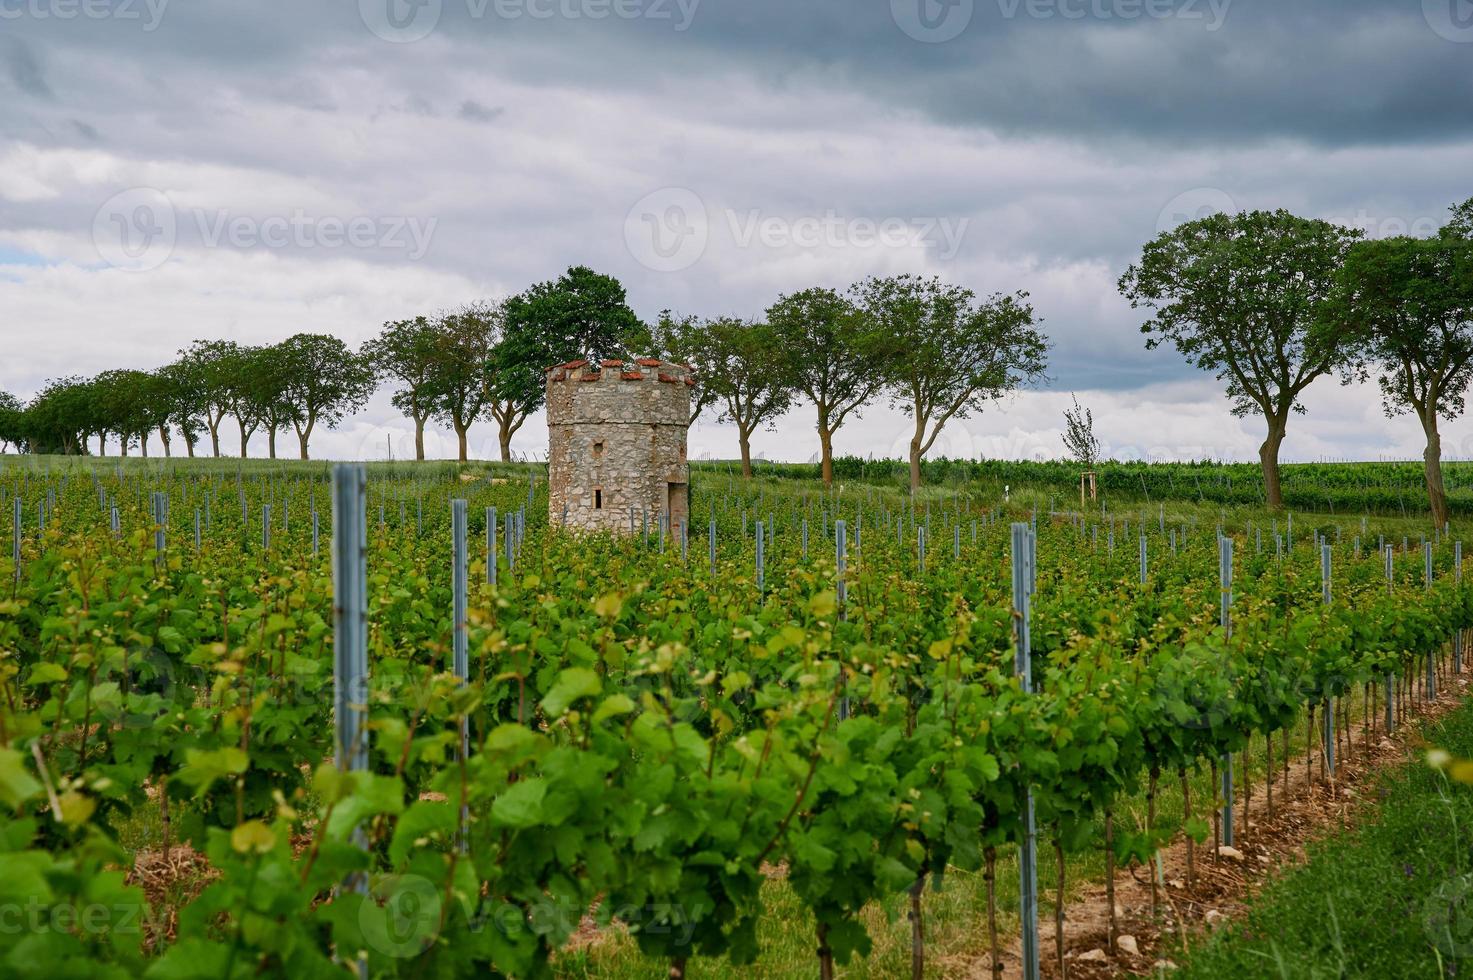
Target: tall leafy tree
[179, 385]
[950, 353]
[126, 403]
[466, 341]
[243, 395]
[745, 375]
[212, 367]
[830, 351]
[678, 338]
[61, 415]
[262, 378]
[581, 315]
[1241, 296]
[323, 381]
[405, 352]
[1407, 304]
[12, 416]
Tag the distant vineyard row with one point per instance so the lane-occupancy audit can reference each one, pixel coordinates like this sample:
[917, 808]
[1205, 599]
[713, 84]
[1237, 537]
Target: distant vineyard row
[1389, 488]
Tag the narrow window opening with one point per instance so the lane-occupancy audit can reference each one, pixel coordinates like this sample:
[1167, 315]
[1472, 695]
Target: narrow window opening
[598, 498]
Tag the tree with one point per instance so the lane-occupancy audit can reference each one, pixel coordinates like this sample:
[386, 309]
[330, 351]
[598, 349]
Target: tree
[830, 353]
[677, 338]
[1407, 305]
[180, 386]
[951, 353]
[123, 403]
[12, 417]
[405, 351]
[243, 395]
[58, 419]
[744, 373]
[466, 341]
[1240, 295]
[261, 380]
[1079, 435]
[322, 382]
[581, 315]
[211, 366]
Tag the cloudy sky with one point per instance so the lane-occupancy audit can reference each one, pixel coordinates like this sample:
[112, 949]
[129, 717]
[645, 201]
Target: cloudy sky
[175, 170]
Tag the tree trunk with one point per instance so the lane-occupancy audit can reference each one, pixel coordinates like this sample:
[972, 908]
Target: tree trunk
[102, 443]
[303, 436]
[271, 442]
[915, 462]
[1268, 455]
[826, 443]
[503, 435]
[744, 438]
[245, 440]
[189, 441]
[164, 436]
[143, 444]
[122, 439]
[215, 439]
[419, 439]
[826, 446]
[1432, 464]
[460, 434]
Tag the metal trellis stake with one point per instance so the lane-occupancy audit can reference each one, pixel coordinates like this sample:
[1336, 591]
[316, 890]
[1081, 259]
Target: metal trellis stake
[1028, 846]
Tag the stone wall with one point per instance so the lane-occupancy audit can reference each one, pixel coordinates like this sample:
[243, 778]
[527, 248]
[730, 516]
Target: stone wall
[616, 443]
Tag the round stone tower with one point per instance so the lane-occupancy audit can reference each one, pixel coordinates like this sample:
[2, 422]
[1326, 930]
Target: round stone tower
[616, 444]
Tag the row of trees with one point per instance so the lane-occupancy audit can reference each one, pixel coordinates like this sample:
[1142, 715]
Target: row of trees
[937, 351]
[459, 366]
[1270, 302]
[306, 381]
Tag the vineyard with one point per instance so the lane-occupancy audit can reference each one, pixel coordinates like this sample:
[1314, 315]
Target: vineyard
[864, 695]
[1390, 489]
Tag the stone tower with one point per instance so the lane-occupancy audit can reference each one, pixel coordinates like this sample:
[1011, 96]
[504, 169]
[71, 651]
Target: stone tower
[616, 444]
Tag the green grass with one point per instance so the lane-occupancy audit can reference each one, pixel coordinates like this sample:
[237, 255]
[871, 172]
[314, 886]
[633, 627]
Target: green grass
[1391, 897]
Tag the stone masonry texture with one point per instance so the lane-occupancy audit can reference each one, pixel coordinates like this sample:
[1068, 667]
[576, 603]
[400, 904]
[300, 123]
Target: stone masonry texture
[616, 444]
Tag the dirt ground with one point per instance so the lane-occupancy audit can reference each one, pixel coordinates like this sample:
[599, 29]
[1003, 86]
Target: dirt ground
[1221, 887]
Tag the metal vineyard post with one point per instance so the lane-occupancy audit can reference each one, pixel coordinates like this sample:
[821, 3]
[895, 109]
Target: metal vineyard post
[491, 545]
[350, 630]
[459, 587]
[1225, 576]
[1329, 702]
[1028, 846]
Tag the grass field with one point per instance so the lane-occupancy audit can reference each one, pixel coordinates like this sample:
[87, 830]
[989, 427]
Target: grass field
[1392, 897]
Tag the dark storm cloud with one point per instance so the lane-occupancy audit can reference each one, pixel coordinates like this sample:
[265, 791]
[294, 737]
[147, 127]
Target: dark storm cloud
[1337, 72]
[1065, 131]
[23, 69]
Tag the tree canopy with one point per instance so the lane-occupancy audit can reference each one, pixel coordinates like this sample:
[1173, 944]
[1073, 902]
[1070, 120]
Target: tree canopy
[1242, 296]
